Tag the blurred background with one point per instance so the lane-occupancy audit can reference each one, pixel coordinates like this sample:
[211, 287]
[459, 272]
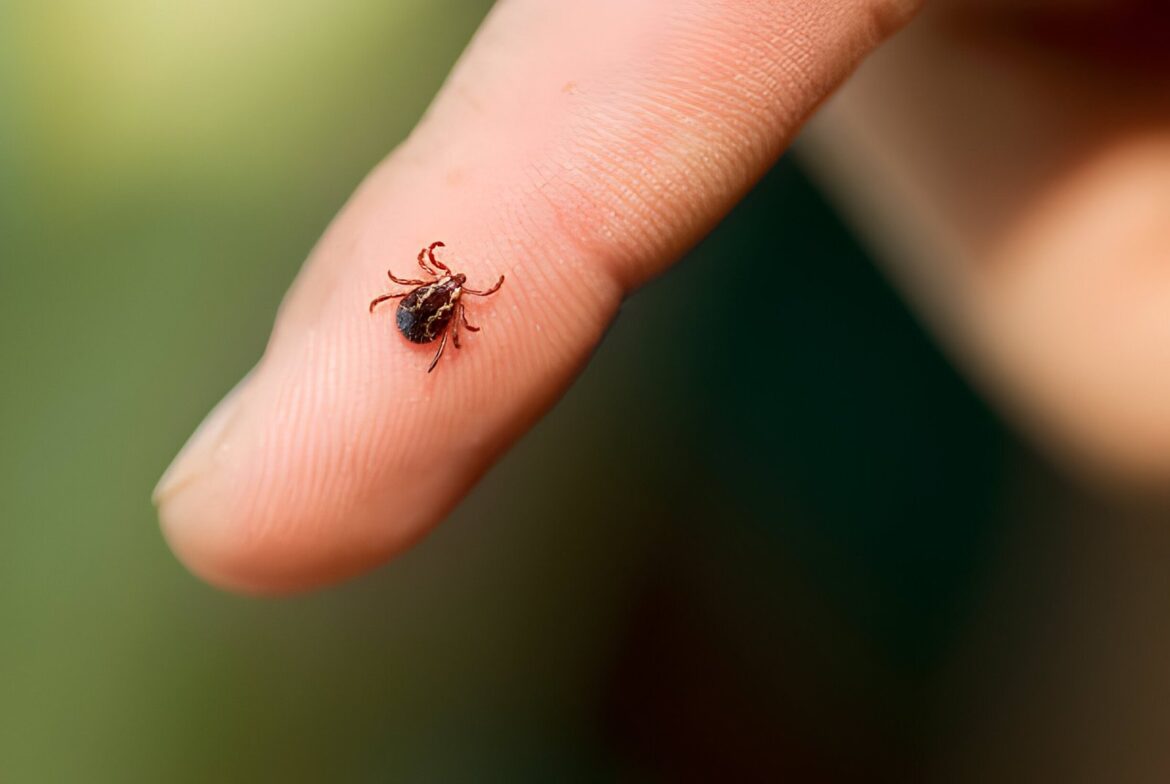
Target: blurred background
[820, 558]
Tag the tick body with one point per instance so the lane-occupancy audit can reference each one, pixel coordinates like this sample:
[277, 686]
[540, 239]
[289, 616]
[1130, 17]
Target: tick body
[432, 311]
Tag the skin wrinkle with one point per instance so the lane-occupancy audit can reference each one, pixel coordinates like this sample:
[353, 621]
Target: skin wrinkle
[588, 296]
[693, 167]
[576, 279]
[636, 199]
[572, 293]
[334, 472]
[551, 182]
[347, 452]
[625, 203]
[555, 347]
[555, 352]
[269, 442]
[311, 425]
[286, 436]
[306, 417]
[641, 186]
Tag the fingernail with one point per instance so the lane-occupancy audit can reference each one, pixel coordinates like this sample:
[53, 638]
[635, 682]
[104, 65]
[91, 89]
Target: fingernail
[195, 456]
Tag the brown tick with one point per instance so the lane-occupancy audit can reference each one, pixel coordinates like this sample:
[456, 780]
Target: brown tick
[432, 310]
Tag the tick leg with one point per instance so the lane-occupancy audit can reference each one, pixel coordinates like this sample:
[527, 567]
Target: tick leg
[405, 281]
[439, 353]
[383, 298]
[463, 318]
[492, 290]
[436, 262]
[455, 332]
[422, 262]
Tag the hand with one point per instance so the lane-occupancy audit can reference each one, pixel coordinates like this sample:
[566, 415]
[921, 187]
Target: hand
[577, 148]
[1013, 160]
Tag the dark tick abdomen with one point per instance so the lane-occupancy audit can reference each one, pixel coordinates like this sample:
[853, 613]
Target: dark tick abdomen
[424, 313]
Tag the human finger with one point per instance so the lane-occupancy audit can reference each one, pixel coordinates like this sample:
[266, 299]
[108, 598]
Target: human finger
[577, 149]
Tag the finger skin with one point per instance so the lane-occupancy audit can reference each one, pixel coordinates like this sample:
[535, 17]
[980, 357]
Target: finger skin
[578, 149]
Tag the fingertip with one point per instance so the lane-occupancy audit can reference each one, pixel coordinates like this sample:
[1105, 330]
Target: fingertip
[339, 453]
[225, 552]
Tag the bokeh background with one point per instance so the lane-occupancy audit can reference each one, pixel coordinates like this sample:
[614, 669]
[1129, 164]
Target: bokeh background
[802, 549]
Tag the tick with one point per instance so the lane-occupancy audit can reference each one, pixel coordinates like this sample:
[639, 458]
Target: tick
[432, 310]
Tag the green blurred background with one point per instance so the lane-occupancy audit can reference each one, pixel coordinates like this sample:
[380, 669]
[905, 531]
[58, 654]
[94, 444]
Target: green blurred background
[786, 569]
